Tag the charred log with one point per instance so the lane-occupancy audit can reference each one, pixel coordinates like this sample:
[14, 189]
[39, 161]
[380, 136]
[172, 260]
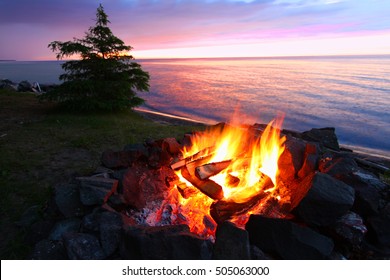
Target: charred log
[186, 191]
[223, 210]
[210, 169]
[199, 155]
[208, 187]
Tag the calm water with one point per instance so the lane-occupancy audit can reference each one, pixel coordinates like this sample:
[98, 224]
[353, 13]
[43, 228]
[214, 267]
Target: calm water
[349, 93]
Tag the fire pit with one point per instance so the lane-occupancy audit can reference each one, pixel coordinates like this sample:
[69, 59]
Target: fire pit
[229, 192]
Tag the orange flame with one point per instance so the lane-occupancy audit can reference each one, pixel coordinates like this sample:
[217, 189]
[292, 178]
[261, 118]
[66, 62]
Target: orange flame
[250, 156]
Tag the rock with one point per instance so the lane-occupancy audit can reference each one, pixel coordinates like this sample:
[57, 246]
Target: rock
[117, 202]
[325, 136]
[102, 171]
[232, 243]
[327, 200]
[166, 242]
[171, 145]
[83, 246]
[142, 185]
[96, 190]
[287, 240]
[91, 222]
[158, 157]
[24, 86]
[64, 226]
[257, 254]
[370, 179]
[339, 167]
[379, 229]
[310, 162]
[367, 199]
[291, 160]
[49, 250]
[8, 85]
[110, 231]
[350, 228]
[67, 198]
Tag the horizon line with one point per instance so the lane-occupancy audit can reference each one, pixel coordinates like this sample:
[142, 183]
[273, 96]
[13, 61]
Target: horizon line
[223, 57]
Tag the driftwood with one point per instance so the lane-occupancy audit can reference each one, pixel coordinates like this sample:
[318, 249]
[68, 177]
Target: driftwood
[208, 187]
[211, 169]
[223, 210]
[199, 155]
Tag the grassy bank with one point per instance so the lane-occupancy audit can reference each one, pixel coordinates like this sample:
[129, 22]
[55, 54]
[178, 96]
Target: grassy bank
[41, 146]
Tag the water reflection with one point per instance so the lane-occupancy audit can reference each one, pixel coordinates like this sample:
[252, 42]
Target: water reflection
[351, 94]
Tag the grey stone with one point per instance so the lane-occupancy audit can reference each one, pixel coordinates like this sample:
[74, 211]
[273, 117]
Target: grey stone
[165, 242]
[64, 226]
[67, 198]
[83, 246]
[257, 254]
[287, 240]
[325, 136]
[350, 228]
[25, 86]
[49, 250]
[232, 243]
[110, 231]
[96, 190]
[91, 222]
[327, 200]
[379, 229]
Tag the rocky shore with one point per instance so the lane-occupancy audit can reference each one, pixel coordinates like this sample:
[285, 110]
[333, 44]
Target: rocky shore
[25, 86]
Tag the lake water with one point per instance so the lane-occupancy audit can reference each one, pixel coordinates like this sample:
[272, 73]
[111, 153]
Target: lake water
[351, 94]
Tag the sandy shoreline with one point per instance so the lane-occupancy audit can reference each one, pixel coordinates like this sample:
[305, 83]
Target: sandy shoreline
[165, 118]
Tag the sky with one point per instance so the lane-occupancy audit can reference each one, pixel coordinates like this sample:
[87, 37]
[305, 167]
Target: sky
[202, 28]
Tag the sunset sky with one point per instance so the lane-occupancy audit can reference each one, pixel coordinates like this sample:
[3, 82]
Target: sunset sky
[202, 28]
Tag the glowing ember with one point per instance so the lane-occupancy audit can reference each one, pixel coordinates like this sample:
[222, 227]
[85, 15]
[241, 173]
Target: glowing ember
[247, 157]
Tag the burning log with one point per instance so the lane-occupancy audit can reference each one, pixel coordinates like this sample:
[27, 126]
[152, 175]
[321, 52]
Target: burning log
[199, 155]
[223, 210]
[232, 181]
[206, 171]
[208, 187]
[185, 190]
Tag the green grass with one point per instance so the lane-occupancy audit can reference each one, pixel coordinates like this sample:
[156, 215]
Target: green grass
[41, 145]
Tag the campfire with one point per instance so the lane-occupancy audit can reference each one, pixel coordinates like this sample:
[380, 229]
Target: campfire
[229, 192]
[226, 173]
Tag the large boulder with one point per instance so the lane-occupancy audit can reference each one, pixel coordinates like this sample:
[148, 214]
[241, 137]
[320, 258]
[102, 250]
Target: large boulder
[325, 136]
[232, 243]
[287, 240]
[327, 200]
[165, 242]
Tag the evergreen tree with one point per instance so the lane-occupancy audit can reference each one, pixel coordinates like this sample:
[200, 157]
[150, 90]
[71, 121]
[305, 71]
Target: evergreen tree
[106, 77]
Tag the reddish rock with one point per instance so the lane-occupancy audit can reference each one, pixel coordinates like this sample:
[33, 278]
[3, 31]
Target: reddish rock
[310, 162]
[291, 160]
[142, 185]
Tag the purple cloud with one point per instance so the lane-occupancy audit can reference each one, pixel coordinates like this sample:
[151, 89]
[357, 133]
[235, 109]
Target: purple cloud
[156, 24]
